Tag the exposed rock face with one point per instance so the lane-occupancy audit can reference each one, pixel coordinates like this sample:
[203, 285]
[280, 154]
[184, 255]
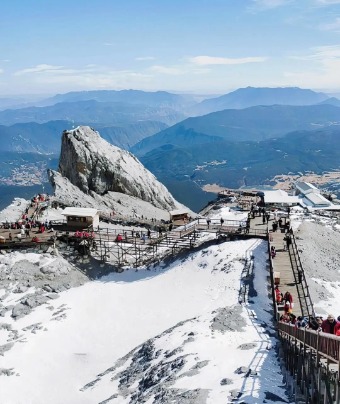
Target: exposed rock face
[95, 166]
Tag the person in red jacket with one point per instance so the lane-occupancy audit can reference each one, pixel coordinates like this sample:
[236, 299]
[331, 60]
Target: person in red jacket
[328, 325]
[288, 302]
[337, 328]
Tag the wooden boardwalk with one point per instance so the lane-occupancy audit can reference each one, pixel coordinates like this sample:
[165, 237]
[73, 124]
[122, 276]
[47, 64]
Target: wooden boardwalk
[281, 263]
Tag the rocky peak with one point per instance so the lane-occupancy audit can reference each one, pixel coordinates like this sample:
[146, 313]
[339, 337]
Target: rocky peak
[97, 167]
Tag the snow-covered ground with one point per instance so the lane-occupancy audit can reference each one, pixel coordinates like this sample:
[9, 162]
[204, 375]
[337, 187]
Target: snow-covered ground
[14, 211]
[197, 330]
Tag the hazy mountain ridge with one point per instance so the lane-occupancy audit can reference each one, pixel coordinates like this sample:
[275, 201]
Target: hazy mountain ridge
[156, 99]
[110, 113]
[235, 164]
[250, 124]
[252, 96]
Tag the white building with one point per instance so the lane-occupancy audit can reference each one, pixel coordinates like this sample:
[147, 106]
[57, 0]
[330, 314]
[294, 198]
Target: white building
[311, 195]
[279, 197]
[81, 218]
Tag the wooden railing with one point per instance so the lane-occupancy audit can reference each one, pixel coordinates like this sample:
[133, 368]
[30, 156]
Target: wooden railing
[326, 345]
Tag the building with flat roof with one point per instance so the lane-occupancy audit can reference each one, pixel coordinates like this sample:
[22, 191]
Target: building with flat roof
[311, 195]
[81, 218]
[280, 197]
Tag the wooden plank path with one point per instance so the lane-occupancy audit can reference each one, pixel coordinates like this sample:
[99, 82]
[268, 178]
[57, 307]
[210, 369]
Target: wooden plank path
[281, 263]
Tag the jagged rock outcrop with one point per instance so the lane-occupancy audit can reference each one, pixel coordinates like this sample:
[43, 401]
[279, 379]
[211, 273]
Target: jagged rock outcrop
[94, 173]
[95, 166]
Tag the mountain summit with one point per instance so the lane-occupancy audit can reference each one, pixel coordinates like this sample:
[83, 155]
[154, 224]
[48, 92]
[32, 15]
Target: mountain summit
[251, 96]
[105, 175]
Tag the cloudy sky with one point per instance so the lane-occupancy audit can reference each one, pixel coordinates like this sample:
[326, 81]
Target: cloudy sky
[201, 46]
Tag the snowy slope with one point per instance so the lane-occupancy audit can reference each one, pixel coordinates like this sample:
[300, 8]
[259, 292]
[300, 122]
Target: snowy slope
[121, 204]
[186, 317]
[197, 330]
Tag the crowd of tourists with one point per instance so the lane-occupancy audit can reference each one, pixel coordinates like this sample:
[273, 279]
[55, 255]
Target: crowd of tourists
[330, 325]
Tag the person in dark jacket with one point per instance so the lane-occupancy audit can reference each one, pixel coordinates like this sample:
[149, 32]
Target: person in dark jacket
[329, 324]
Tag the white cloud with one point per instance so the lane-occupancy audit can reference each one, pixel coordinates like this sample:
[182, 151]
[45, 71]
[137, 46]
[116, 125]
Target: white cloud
[173, 71]
[322, 70]
[38, 69]
[271, 3]
[333, 26]
[145, 58]
[210, 60]
[327, 2]
[90, 77]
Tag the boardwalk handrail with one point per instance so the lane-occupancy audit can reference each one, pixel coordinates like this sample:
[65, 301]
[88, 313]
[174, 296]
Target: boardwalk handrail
[300, 278]
[326, 345]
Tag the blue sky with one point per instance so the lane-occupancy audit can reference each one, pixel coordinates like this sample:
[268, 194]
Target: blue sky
[200, 46]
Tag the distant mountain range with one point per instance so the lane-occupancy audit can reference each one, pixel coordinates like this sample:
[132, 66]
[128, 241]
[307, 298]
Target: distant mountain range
[250, 96]
[254, 123]
[134, 97]
[45, 138]
[231, 139]
[236, 164]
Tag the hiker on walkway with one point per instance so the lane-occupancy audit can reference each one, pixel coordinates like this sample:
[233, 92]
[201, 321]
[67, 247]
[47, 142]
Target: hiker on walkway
[301, 322]
[314, 323]
[278, 295]
[299, 276]
[328, 325]
[272, 252]
[288, 240]
[337, 328]
[208, 222]
[267, 216]
[222, 221]
[119, 237]
[288, 302]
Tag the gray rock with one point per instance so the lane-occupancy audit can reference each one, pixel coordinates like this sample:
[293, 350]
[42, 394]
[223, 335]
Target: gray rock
[20, 310]
[244, 347]
[225, 382]
[6, 347]
[235, 393]
[242, 369]
[6, 372]
[85, 165]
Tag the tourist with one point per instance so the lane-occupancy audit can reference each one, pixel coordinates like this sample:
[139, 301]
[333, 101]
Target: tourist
[337, 328]
[288, 302]
[272, 252]
[328, 325]
[222, 221]
[288, 240]
[278, 295]
[301, 322]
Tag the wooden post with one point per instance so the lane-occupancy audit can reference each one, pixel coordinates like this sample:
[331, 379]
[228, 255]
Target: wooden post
[337, 381]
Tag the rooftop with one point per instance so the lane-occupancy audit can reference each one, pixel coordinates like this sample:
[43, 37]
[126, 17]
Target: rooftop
[80, 212]
[279, 196]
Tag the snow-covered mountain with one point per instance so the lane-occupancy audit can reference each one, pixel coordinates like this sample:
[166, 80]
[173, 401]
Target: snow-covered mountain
[92, 172]
[192, 331]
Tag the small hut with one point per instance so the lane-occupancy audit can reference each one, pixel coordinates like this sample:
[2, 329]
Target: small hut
[81, 218]
[179, 215]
